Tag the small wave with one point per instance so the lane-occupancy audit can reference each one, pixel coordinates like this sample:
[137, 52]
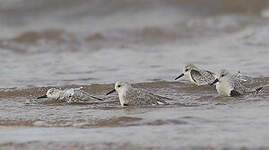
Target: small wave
[33, 37]
[49, 40]
[158, 86]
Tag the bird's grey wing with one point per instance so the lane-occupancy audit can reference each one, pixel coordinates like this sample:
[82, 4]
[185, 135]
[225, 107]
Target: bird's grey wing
[88, 96]
[237, 86]
[241, 77]
[202, 77]
[208, 76]
[142, 97]
[196, 75]
[238, 79]
[211, 73]
[159, 99]
[81, 96]
[244, 90]
[135, 97]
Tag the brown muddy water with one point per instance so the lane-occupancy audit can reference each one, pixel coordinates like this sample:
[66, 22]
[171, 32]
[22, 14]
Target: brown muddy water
[92, 44]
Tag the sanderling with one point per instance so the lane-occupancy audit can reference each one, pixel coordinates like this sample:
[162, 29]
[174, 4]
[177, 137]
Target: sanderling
[130, 96]
[229, 85]
[73, 95]
[197, 76]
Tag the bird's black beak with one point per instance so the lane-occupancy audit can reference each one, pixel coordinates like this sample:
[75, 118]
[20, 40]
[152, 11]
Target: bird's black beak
[217, 80]
[44, 96]
[112, 91]
[179, 76]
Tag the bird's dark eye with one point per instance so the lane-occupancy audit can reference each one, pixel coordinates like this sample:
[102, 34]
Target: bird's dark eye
[222, 75]
[186, 70]
[119, 86]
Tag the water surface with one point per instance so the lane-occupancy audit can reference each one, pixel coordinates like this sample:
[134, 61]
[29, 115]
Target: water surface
[95, 43]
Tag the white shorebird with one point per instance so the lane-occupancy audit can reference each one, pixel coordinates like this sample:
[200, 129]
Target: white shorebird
[130, 96]
[197, 76]
[229, 85]
[73, 95]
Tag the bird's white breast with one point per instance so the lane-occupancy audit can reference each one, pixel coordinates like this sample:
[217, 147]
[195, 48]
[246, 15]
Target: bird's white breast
[223, 88]
[122, 96]
[188, 76]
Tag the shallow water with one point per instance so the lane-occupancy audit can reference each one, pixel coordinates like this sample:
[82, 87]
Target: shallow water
[94, 43]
